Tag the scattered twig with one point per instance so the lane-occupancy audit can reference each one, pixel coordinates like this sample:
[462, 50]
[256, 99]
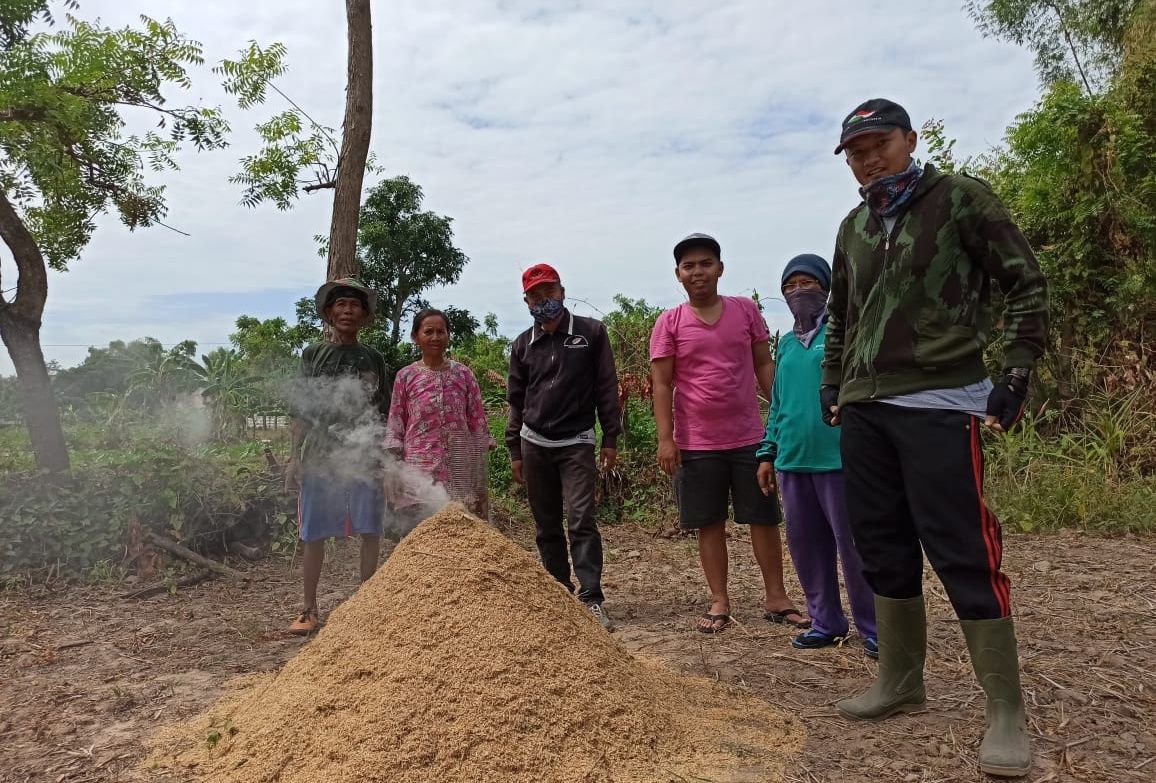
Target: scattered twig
[164, 587]
[172, 228]
[1068, 745]
[797, 659]
[70, 645]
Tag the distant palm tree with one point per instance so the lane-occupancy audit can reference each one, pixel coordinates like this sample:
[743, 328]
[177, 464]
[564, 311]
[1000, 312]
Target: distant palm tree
[160, 376]
[227, 388]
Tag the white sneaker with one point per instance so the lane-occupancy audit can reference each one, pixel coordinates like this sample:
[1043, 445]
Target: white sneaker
[600, 615]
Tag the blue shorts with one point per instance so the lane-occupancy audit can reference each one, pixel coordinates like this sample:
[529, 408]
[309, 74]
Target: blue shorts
[329, 507]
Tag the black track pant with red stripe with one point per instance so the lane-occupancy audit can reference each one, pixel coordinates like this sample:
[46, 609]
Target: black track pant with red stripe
[915, 477]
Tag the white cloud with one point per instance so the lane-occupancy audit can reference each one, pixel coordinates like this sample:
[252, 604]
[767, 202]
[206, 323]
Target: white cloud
[588, 134]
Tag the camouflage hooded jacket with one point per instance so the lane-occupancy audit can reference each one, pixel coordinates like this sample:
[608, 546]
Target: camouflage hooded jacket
[911, 310]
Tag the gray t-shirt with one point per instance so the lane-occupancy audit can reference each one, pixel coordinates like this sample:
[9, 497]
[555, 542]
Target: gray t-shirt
[528, 435]
[968, 399]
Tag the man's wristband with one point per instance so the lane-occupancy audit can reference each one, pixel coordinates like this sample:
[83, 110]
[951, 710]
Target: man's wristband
[1017, 379]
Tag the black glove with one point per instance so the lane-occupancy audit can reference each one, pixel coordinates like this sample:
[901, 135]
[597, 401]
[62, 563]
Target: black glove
[828, 397]
[1006, 401]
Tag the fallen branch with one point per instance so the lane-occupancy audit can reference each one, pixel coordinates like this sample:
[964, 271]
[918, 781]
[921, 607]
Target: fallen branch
[164, 587]
[172, 547]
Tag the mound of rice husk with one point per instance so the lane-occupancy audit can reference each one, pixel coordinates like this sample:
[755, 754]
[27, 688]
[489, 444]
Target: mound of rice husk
[463, 661]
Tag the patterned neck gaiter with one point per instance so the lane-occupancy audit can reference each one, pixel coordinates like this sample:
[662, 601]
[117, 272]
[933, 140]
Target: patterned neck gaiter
[888, 194]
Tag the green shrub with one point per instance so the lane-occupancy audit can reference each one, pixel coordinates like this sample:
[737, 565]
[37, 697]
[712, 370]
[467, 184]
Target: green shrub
[1055, 495]
[1094, 473]
[202, 496]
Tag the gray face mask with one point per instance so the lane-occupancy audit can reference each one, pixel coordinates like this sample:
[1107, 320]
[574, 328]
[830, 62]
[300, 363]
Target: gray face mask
[808, 306]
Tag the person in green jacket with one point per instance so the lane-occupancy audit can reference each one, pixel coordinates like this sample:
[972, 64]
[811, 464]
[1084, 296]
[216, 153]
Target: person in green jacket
[805, 452]
[904, 373]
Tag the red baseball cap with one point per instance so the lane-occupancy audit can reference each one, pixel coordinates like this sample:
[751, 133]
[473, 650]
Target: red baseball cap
[538, 274]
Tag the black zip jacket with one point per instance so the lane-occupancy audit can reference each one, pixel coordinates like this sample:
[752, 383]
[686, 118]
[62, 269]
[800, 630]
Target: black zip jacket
[559, 379]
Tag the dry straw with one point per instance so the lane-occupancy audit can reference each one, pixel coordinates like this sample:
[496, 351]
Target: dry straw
[462, 660]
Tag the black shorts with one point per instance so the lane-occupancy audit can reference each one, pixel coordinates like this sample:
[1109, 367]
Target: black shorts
[710, 481]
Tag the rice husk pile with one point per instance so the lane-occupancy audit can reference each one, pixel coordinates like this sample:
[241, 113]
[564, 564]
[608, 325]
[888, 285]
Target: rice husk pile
[461, 661]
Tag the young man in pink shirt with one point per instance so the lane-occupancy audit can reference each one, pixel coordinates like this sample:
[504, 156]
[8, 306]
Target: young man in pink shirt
[705, 356]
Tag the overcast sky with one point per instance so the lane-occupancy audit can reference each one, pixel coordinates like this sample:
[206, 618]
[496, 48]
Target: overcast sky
[591, 134]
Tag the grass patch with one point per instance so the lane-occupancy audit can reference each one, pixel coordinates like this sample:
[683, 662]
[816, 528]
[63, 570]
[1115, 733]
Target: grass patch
[1095, 474]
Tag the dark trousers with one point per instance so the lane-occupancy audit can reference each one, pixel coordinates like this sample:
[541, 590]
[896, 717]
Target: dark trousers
[915, 477]
[565, 477]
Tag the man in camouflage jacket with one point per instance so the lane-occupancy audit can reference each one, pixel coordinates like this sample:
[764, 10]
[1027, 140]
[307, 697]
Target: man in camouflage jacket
[904, 375]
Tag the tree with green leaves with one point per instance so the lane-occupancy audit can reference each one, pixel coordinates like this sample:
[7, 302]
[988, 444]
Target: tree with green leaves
[487, 354]
[65, 157]
[160, 376]
[1072, 40]
[108, 370]
[268, 350]
[227, 388]
[293, 142]
[270, 347]
[1078, 171]
[404, 250]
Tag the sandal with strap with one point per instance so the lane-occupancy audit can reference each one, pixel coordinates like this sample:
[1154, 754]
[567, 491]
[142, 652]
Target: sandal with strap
[782, 617]
[710, 627]
[306, 623]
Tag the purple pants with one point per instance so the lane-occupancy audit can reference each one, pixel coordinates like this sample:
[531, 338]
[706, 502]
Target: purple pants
[817, 531]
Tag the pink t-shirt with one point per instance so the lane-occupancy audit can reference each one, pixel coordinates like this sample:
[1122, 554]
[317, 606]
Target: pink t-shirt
[716, 405]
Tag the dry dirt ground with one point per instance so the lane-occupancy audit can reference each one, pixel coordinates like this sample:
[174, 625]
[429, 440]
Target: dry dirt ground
[86, 676]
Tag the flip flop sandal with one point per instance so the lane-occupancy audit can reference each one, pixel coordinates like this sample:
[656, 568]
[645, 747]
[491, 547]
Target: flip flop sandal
[782, 618]
[725, 619]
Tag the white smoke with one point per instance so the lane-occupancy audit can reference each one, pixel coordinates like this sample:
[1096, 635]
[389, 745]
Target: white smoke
[185, 420]
[353, 433]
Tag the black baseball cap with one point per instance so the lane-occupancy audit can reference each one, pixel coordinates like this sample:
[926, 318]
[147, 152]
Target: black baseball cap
[877, 115]
[696, 240]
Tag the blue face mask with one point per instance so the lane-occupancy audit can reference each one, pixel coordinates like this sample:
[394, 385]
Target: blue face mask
[546, 311]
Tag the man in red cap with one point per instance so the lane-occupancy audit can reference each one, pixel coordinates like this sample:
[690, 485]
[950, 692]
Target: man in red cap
[561, 374]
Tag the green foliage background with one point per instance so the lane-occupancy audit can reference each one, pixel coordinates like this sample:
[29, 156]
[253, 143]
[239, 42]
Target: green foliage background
[1077, 170]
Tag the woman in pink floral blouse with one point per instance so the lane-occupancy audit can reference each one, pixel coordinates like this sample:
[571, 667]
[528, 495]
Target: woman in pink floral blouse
[436, 420]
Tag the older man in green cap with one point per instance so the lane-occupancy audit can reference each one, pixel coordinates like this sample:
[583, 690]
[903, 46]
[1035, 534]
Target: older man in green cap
[338, 407]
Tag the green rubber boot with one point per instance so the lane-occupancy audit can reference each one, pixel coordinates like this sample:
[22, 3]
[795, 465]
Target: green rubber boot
[1006, 750]
[902, 652]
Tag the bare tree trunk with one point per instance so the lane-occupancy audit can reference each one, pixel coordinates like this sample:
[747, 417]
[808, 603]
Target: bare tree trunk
[395, 319]
[41, 414]
[20, 331]
[354, 142]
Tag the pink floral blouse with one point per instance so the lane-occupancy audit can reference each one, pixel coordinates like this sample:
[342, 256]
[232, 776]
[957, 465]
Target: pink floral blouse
[437, 421]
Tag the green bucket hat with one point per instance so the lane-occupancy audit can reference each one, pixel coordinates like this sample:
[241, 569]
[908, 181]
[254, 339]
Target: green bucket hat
[334, 288]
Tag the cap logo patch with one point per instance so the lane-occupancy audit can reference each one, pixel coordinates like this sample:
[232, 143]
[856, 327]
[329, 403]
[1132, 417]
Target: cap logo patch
[859, 116]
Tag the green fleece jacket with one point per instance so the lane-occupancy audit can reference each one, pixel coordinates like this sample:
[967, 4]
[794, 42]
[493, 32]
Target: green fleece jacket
[910, 310]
